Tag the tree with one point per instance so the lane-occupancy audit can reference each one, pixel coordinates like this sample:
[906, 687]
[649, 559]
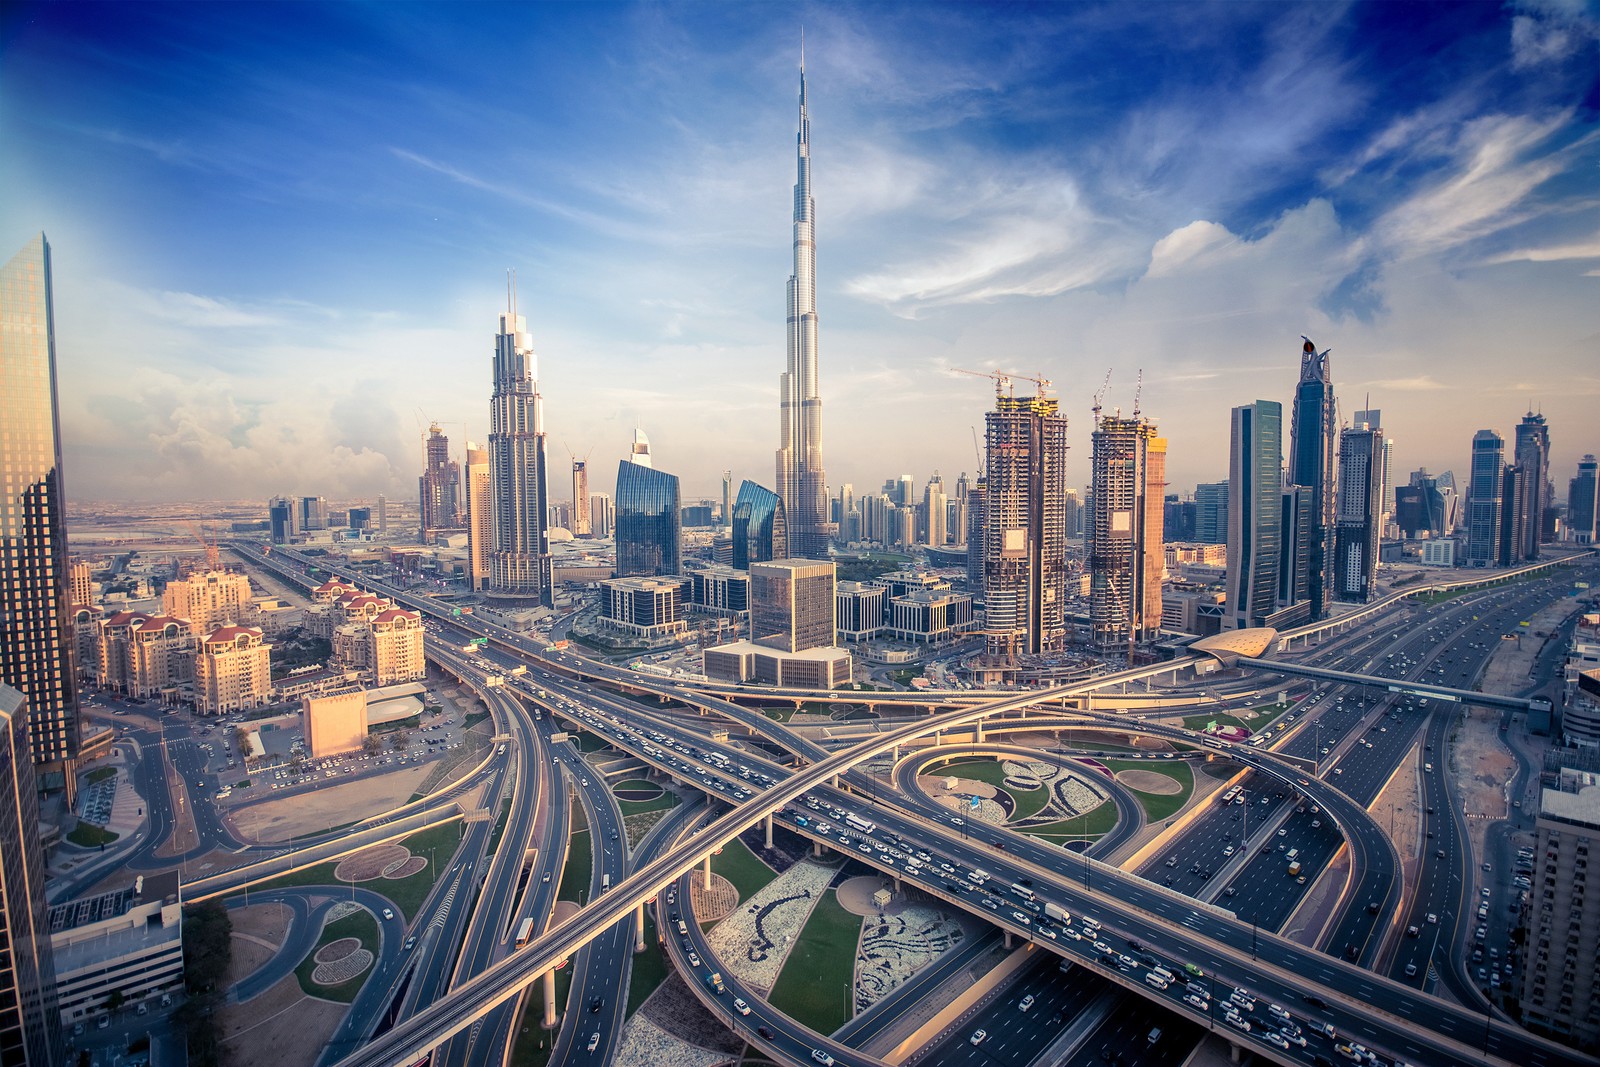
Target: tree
[372, 744]
[400, 740]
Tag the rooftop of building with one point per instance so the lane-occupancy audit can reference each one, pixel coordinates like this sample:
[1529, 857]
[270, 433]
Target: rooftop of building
[227, 635]
[1576, 799]
[161, 887]
[742, 648]
[930, 596]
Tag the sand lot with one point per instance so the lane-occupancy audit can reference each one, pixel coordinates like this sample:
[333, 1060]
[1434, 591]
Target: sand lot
[283, 1025]
[326, 806]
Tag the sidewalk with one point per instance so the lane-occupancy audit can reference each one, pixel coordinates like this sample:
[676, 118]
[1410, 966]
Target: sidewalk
[127, 817]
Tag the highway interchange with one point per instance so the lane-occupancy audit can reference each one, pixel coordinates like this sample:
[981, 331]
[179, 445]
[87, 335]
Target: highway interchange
[1357, 770]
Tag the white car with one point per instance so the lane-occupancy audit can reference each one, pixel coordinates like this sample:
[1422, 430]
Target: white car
[979, 1037]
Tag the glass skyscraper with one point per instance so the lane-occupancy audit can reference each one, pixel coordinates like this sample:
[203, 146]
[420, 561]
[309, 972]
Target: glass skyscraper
[1311, 456]
[649, 523]
[35, 641]
[1255, 513]
[519, 566]
[1361, 459]
[1024, 540]
[1483, 498]
[760, 528]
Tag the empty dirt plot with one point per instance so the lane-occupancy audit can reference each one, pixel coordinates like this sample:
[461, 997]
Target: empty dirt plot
[1150, 782]
[323, 807]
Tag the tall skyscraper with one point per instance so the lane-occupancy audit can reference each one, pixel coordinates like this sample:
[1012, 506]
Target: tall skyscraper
[602, 514]
[480, 516]
[1583, 503]
[1372, 418]
[581, 524]
[1311, 455]
[1024, 539]
[1533, 492]
[383, 515]
[760, 528]
[1483, 498]
[313, 513]
[35, 623]
[977, 527]
[1355, 546]
[30, 1017]
[649, 522]
[519, 566]
[639, 451]
[1129, 482]
[933, 506]
[1255, 513]
[1294, 557]
[802, 484]
[1211, 513]
[727, 498]
[439, 488]
[280, 520]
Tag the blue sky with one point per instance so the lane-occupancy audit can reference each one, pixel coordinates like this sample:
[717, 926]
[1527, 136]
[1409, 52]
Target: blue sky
[281, 232]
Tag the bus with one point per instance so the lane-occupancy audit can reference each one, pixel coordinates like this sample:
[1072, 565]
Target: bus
[1213, 742]
[524, 933]
[1020, 890]
[856, 822]
[605, 883]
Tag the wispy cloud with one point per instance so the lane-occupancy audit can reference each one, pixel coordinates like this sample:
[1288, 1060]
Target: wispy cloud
[1589, 249]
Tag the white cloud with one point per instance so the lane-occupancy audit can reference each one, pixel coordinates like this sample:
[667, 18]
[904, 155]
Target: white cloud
[1178, 248]
[1588, 249]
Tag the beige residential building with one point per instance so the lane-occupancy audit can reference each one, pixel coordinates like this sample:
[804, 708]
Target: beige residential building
[144, 655]
[1561, 971]
[209, 600]
[232, 671]
[385, 645]
[332, 590]
[480, 517]
[335, 722]
[82, 581]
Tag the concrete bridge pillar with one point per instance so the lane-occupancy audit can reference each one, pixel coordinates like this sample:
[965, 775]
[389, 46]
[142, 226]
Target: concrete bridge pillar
[769, 829]
[898, 887]
[816, 849]
[977, 732]
[894, 753]
[1008, 939]
[1235, 1053]
[707, 882]
[638, 920]
[550, 999]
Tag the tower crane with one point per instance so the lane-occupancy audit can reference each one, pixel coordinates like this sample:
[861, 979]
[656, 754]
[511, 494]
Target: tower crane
[1138, 389]
[213, 554]
[1002, 382]
[1099, 394]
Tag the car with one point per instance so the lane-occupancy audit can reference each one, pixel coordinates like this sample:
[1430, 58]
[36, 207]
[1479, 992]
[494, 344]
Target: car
[1411, 970]
[546, 878]
[105, 1021]
[764, 1032]
[411, 942]
[740, 1006]
[978, 1037]
[1282, 832]
[387, 914]
[694, 959]
[594, 1041]
[822, 1057]
[1026, 1003]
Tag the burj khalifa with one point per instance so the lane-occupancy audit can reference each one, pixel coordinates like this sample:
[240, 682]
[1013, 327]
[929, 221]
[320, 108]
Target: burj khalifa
[801, 483]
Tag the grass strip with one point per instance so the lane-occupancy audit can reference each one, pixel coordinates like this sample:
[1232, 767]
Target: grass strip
[360, 925]
[814, 987]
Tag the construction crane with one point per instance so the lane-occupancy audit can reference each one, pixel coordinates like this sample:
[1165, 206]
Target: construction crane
[1099, 395]
[213, 554]
[1002, 382]
[1138, 389]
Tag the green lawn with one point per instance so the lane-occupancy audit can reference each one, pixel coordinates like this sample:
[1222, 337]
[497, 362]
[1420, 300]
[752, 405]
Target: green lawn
[665, 801]
[814, 986]
[1025, 802]
[531, 1047]
[649, 967]
[779, 714]
[1156, 806]
[407, 893]
[473, 718]
[91, 836]
[575, 876]
[360, 925]
[1200, 722]
[1090, 825]
[740, 866]
[100, 774]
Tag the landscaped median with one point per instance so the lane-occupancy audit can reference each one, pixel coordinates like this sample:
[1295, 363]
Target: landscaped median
[1162, 788]
[338, 967]
[404, 872]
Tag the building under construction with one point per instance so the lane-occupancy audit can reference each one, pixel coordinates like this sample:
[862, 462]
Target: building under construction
[1125, 552]
[1024, 544]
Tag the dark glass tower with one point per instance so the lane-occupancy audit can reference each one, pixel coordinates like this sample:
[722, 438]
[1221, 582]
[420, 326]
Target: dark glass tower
[1360, 511]
[1583, 502]
[1483, 498]
[760, 529]
[1311, 452]
[1532, 498]
[649, 523]
[35, 640]
[1255, 513]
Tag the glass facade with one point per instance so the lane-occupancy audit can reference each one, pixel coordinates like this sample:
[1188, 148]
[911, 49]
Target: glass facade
[1311, 457]
[1255, 506]
[35, 638]
[792, 604]
[649, 523]
[760, 529]
[519, 565]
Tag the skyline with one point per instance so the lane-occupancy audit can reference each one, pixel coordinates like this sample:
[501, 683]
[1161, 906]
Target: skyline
[1407, 187]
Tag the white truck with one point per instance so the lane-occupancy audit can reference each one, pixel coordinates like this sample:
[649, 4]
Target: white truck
[1057, 912]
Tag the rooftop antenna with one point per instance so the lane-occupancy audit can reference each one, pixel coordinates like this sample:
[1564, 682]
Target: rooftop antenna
[802, 48]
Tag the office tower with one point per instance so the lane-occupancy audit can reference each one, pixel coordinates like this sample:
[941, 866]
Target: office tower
[439, 488]
[1450, 500]
[1483, 498]
[35, 623]
[1372, 418]
[313, 513]
[802, 485]
[602, 514]
[582, 525]
[760, 528]
[977, 494]
[933, 505]
[1311, 456]
[1583, 503]
[1360, 513]
[360, 520]
[727, 498]
[519, 565]
[792, 604]
[1561, 970]
[1294, 557]
[480, 516]
[383, 515]
[80, 584]
[1512, 518]
[30, 1016]
[1532, 499]
[959, 503]
[1024, 539]
[1177, 523]
[649, 522]
[1129, 482]
[1255, 512]
[1211, 513]
[280, 520]
[208, 600]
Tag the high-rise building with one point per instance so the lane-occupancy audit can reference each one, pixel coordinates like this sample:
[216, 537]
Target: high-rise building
[1311, 458]
[360, 520]
[727, 498]
[1024, 548]
[639, 451]
[792, 604]
[581, 526]
[977, 493]
[1129, 482]
[933, 505]
[439, 488]
[80, 583]
[760, 528]
[35, 623]
[281, 520]
[1360, 514]
[480, 516]
[1583, 503]
[602, 514]
[1532, 498]
[313, 513]
[802, 485]
[1255, 513]
[519, 566]
[1561, 971]
[1211, 513]
[30, 1016]
[383, 515]
[1294, 557]
[1373, 419]
[232, 671]
[1483, 499]
[649, 523]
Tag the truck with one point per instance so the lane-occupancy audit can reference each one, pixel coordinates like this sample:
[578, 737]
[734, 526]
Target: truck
[1057, 912]
[979, 875]
[714, 983]
[520, 669]
[1294, 868]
